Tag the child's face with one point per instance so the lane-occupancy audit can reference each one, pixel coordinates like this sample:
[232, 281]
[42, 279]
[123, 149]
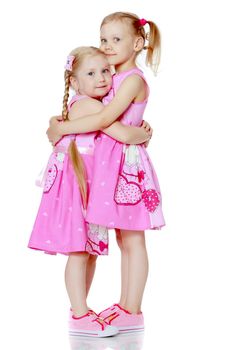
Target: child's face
[117, 42]
[93, 77]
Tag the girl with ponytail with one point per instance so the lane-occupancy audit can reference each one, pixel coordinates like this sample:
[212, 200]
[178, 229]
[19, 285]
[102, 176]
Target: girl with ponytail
[60, 225]
[130, 201]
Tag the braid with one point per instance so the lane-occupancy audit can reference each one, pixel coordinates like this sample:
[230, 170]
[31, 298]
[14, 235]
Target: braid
[75, 157]
[66, 96]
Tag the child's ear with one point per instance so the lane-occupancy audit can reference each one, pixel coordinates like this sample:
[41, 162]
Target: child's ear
[139, 43]
[74, 83]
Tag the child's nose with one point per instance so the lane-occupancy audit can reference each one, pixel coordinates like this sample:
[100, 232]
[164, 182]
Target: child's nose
[108, 47]
[101, 77]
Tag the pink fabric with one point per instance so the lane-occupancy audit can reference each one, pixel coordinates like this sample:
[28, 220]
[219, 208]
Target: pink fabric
[90, 325]
[88, 322]
[125, 321]
[110, 310]
[60, 225]
[125, 191]
[69, 63]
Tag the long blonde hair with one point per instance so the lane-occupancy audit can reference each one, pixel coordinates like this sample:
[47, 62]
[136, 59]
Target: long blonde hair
[79, 54]
[153, 37]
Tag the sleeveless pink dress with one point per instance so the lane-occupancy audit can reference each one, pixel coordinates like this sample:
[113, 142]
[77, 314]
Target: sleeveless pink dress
[60, 225]
[125, 191]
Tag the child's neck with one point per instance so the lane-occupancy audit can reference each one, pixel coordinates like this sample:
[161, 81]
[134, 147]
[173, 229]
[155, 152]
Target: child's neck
[125, 66]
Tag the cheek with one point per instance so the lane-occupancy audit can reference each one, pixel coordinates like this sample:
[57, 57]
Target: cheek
[90, 87]
[89, 84]
[102, 47]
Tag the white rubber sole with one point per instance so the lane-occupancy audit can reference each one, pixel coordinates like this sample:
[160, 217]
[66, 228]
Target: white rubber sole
[131, 329]
[108, 332]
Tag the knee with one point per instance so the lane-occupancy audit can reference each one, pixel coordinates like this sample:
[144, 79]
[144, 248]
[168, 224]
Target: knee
[133, 240]
[119, 239]
[81, 256]
[92, 259]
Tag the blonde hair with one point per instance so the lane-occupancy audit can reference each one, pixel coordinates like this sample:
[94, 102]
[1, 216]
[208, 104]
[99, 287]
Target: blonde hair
[79, 54]
[154, 38]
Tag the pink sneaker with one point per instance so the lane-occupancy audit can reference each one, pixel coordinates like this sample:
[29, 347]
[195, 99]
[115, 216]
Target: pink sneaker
[125, 321]
[109, 310]
[90, 325]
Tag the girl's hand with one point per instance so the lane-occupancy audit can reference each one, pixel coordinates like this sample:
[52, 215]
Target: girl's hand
[53, 132]
[149, 130]
[146, 143]
[147, 127]
[53, 120]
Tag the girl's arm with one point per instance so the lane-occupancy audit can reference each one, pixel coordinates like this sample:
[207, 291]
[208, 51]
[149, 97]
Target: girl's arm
[131, 135]
[118, 131]
[127, 92]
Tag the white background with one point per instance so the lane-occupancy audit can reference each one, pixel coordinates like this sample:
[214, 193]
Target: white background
[188, 298]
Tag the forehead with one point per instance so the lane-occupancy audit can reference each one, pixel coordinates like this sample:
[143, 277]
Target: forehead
[96, 61]
[115, 27]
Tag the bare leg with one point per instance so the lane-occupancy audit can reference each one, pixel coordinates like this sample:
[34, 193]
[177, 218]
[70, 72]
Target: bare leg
[75, 279]
[135, 248]
[91, 265]
[124, 269]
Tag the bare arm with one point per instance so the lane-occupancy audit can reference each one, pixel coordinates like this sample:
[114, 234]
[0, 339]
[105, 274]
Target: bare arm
[127, 92]
[131, 135]
[118, 131]
[122, 133]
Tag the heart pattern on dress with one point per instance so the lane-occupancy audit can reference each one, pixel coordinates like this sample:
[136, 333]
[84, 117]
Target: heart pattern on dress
[151, 199]
[50, 178]
[127, 192]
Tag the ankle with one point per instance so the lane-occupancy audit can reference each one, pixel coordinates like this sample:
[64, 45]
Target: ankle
[122, 303]
[133, 309]
[79, 312]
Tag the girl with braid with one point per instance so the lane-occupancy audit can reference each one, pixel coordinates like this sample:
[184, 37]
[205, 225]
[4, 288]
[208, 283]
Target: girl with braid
[60, 225]
[130, 200]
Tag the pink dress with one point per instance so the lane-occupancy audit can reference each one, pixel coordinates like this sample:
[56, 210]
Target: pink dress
[60, 225]
[125, 191]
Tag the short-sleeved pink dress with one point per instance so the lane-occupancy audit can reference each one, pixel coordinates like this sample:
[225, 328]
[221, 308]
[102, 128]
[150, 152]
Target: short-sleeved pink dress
[60, 225]
[125, 191]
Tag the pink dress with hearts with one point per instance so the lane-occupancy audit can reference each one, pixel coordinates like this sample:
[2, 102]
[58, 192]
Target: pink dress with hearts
[125, 191]
[60, 225]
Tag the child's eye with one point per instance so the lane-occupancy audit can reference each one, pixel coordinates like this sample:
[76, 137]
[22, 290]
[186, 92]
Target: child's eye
[103, 41]
[91, 74]
[106, 70]
[116, 39]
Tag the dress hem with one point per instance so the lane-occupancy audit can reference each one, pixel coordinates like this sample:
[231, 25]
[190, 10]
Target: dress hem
[56, 251]
[131, 228]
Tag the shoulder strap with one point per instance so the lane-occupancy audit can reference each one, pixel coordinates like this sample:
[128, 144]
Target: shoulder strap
[140, 73]
[74, 99]
[134, 71]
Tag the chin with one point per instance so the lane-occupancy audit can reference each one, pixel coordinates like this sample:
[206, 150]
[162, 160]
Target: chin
[99, 96]
[103, 93]
[111, 60]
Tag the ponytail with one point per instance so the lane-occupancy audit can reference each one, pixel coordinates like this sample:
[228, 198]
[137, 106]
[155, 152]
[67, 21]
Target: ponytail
[154, 47]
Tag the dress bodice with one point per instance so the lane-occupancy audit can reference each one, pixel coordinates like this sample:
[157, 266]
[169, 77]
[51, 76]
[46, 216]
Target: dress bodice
[134, 113]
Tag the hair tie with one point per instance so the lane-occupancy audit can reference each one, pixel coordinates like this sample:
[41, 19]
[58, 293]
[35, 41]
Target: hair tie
[142, 21]
[69, 62]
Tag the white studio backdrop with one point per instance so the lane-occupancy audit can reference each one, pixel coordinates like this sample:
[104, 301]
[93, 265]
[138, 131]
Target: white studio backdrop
[188, 298]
